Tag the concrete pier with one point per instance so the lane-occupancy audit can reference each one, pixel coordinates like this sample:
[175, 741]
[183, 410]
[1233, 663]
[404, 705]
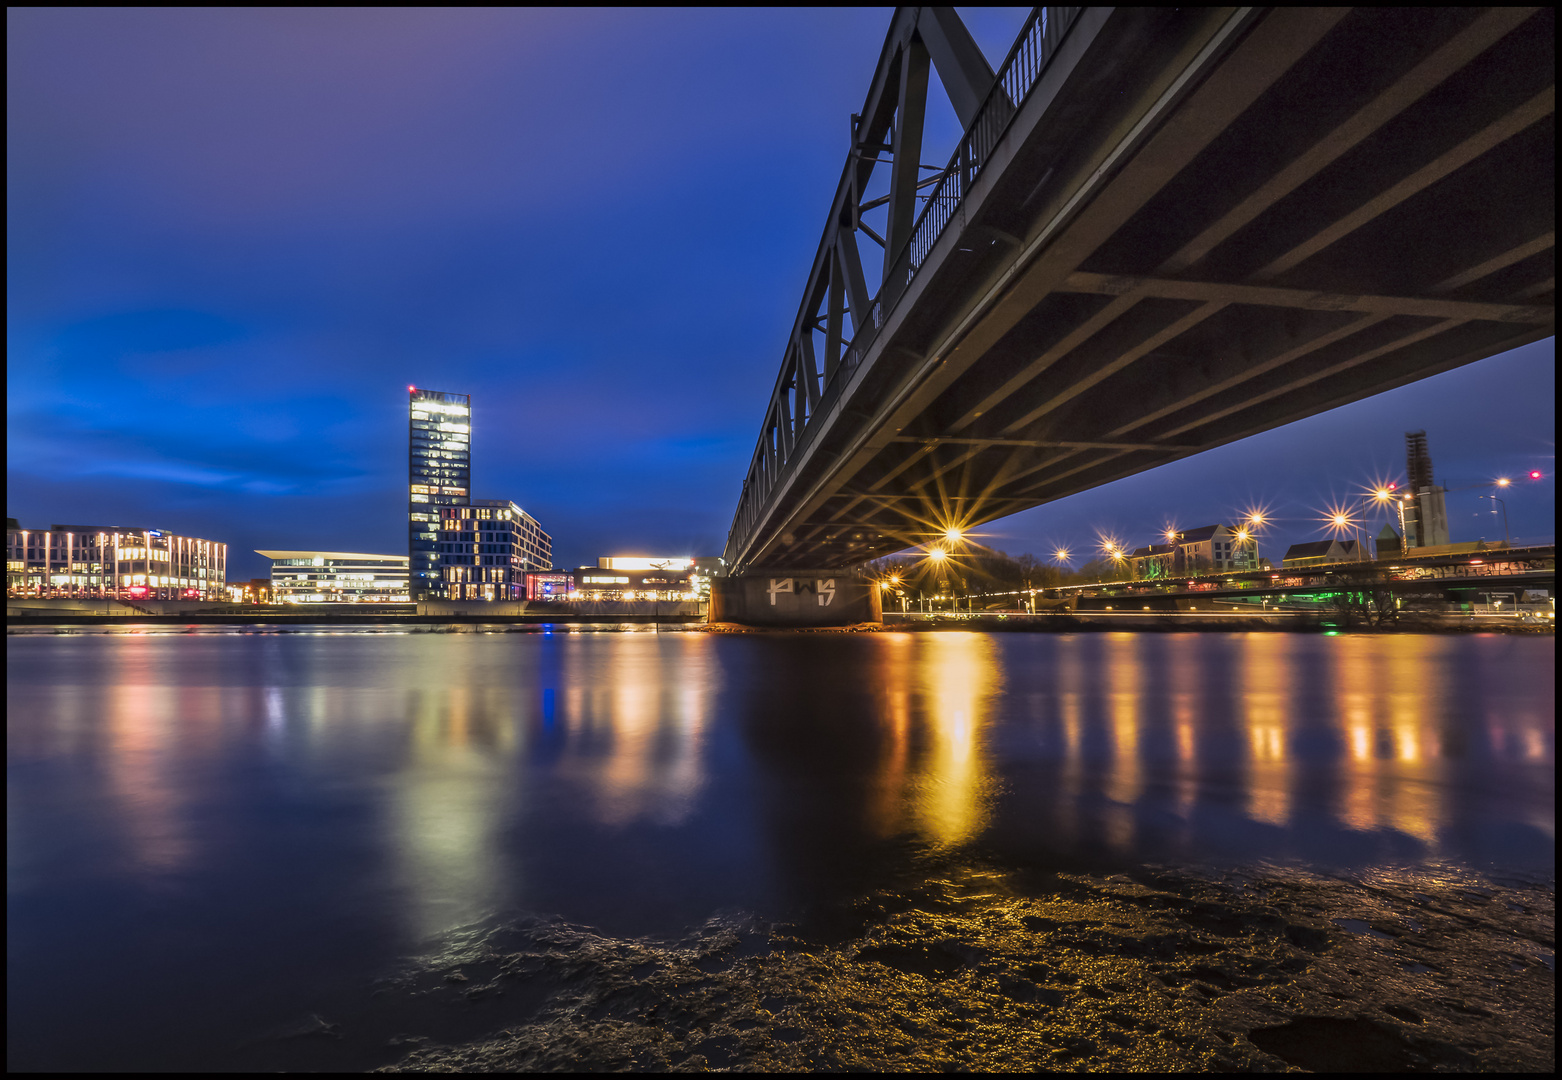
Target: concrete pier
[795, 598]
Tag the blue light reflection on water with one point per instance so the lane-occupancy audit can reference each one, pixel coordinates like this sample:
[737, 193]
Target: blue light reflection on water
[240, 824]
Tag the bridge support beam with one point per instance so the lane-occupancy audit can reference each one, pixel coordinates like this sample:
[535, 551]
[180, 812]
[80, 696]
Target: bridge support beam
[795, 598]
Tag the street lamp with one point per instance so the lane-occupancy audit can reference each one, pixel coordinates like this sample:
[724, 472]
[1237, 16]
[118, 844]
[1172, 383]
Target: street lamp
[1504, 505]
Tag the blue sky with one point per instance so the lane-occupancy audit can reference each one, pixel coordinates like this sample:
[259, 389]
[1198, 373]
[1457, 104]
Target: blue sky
[236, 236]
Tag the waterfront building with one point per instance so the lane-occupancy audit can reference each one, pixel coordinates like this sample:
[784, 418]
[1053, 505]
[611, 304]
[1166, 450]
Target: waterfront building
[337, 577]
[549, 585]
[253, 591]
[439, 474]
[619, 577]
[103, 561]
[484, 551]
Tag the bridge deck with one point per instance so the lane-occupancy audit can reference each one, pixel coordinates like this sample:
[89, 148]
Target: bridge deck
[1189, 226]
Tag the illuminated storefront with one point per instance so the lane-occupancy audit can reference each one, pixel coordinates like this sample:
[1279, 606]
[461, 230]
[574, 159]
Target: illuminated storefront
[99, 561]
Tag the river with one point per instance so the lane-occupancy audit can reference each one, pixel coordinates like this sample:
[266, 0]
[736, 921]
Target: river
[269, 849]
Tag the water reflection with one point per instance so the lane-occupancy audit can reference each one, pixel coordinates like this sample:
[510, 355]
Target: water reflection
[957, 678]
[317, 804]
[633, 724]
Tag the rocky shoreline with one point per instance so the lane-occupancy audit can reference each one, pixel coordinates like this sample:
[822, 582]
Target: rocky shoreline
[980, 968]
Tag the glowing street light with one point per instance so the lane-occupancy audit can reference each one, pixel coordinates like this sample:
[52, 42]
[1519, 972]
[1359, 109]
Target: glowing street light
[952, 534]
[1503, 481]
[1061, 554]
[938, 554]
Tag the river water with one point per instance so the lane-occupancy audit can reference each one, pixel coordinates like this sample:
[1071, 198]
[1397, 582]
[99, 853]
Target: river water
[222, 844]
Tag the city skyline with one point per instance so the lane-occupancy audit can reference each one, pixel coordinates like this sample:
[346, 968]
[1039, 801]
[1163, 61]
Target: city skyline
[237, 236]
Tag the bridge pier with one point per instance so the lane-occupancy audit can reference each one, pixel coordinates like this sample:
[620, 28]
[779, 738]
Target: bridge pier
[795, 598]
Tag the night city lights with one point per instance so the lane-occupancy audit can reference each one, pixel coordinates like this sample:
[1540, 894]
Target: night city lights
[1079, 595]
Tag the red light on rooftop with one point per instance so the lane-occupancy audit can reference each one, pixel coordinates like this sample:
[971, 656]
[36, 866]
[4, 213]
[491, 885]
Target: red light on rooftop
[1392, 485]
[1534, 474]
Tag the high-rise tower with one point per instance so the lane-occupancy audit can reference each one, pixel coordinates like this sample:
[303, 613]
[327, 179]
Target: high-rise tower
[1418, 460]
[1423, 517]
[439, 473]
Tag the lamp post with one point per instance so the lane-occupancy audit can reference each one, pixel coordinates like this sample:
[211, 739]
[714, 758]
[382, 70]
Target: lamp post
[1504, 505]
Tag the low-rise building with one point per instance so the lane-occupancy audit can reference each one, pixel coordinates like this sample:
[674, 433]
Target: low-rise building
[1211, 549]
[549, 585]
[103, 561]
[337, 577]
[619, 577]
[1318, 552]
[1153, 563]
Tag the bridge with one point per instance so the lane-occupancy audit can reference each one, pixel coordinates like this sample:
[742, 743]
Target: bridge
[1161, 231]
[1448, 575]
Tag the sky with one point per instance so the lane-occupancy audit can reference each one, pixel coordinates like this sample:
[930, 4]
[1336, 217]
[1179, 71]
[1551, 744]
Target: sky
[235, 237]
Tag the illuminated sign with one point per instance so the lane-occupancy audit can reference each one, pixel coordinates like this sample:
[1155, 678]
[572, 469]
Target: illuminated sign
[632, 563]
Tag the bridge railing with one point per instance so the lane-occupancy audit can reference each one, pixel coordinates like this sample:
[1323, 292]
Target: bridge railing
[1035, 46]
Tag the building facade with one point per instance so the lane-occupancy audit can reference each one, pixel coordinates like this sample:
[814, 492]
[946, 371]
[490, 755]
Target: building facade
[337, 577]
[549, 585]
[1153, 563]
[1318, 552]
[1212, 549]
[485, 550]
[640, 578]
[439, 475]
[104, 561]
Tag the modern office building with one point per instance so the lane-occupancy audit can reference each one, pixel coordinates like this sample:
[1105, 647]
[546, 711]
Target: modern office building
[102, 561]
[337, 577]
[439, 474]
[485, 551]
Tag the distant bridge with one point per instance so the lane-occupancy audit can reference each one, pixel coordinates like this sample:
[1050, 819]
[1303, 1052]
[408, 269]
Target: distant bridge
[1164, 229]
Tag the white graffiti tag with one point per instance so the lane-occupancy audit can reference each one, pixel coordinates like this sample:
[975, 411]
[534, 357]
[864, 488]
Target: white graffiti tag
[779, 585]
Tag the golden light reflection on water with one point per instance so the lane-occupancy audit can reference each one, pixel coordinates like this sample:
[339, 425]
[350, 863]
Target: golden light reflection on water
[1265, 699]
[957, 677]
[1138, 739]
[634, 724]
[1383, 704]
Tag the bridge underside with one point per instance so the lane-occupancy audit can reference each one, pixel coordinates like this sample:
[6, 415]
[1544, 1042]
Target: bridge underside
[1204, 223]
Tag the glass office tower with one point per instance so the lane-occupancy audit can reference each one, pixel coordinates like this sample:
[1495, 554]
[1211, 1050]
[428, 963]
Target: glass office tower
[439, 473]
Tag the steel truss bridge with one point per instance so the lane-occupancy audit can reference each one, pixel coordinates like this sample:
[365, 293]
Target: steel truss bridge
[1163, 230]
